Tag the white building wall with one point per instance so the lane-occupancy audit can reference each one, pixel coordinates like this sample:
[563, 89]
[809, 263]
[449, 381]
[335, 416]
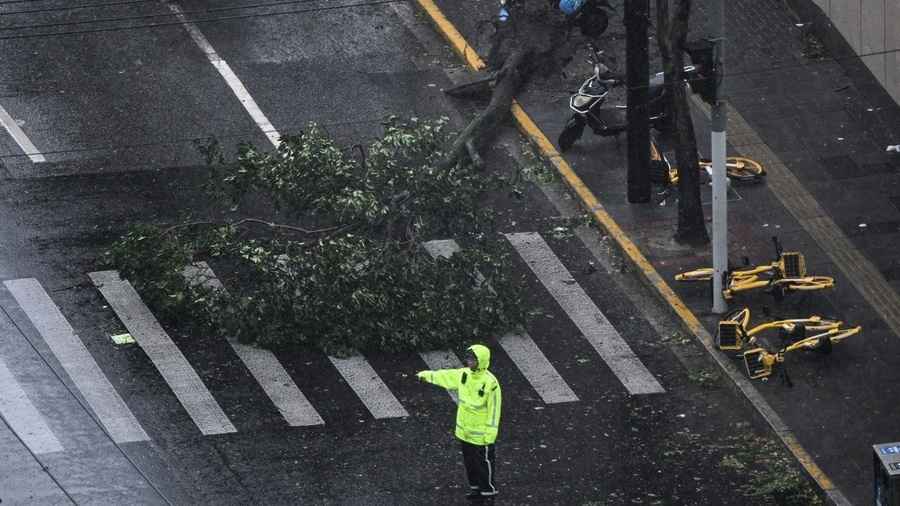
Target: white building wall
[871, 26]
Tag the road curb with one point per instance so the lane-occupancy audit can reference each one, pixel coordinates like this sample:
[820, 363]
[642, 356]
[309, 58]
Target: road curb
[649, 274]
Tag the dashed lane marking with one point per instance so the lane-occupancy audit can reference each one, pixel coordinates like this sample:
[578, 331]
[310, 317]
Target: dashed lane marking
[263, 365]
[520, 347]
[23, 417]
[592, 323]
[19, 136]
[74, 357]
[165, 355]
[230, 77]
[369, 387]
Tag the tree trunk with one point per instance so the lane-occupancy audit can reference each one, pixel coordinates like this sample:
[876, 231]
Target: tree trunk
[691, 223]
[663, 40]
[509, 79]
[637, 59]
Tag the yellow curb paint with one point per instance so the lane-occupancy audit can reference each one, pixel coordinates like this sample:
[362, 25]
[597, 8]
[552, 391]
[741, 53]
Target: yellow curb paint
[590, 202]
[807, 461]
[450, 32]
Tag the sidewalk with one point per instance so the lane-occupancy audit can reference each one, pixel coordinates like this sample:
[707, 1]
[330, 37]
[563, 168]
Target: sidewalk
[821, 128]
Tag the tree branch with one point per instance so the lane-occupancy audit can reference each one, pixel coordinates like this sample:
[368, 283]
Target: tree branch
[254, 221]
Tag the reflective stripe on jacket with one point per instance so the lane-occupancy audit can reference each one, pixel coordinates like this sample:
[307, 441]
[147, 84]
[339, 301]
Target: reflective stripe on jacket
[480, 399]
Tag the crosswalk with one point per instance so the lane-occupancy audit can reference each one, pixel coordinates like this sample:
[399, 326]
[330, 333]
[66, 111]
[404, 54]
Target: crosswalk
[276, 382]
[520, 347]
[165, 355]
[262, 364]
[584, 313]
[76, 360]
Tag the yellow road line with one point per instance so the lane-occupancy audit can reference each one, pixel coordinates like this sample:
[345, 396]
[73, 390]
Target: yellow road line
[462, 48]
[590, 202]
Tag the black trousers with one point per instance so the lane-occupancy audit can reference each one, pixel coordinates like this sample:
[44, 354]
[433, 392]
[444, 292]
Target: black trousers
[480, 467]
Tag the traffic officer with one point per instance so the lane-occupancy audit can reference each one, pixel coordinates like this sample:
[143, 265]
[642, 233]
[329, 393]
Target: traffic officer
[477, 416]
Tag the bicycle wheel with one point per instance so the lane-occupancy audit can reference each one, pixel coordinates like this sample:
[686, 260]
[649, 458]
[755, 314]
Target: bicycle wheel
[704, 274]
[744, 170]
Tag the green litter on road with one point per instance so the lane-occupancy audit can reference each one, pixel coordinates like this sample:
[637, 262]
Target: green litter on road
[123, 339]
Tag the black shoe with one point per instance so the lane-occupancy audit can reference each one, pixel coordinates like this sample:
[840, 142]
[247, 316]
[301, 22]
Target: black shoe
[474, 495]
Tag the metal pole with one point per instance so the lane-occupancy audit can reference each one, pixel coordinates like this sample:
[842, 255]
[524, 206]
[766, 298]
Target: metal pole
[719, 180]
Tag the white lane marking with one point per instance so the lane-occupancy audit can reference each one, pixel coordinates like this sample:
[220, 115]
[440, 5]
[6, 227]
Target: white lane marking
[19, 136]
[230, 77]
[165, 355]
[523, 351]
[263, 365]
[585, 314]
[521, 348]
[23, 417]
[99, 393]
[370, 389]
[442, 359]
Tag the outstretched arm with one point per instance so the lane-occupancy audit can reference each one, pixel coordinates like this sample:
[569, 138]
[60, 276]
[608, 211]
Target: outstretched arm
[446, 378]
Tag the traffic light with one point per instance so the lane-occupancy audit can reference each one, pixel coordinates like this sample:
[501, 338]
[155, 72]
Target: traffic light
[706, 84]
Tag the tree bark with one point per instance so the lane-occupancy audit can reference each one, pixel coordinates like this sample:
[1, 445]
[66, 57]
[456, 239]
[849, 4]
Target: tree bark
[535, 40]
[691, 223]
[509, 79]
[637, 13]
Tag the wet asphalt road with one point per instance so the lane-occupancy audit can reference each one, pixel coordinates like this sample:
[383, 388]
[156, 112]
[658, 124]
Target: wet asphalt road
[115, 114]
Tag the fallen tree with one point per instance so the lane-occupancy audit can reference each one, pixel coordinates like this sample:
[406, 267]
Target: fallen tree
[322, 249]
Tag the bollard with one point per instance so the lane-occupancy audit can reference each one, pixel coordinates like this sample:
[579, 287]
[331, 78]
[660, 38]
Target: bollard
[886, 460]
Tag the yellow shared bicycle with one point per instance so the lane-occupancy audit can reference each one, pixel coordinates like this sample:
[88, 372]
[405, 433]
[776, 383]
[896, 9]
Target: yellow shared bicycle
[734, 333]
[760, 362]
[737, 169]
[786, 274]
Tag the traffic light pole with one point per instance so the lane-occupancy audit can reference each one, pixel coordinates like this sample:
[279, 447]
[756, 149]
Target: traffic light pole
[719, 180]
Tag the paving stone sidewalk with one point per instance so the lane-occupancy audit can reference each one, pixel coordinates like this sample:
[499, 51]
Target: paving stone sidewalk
[823, 126]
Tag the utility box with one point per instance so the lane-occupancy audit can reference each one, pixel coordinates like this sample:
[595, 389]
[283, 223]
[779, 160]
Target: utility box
[886, 459]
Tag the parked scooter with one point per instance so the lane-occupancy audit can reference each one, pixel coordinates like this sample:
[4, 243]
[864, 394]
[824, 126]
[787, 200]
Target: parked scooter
[587, 104]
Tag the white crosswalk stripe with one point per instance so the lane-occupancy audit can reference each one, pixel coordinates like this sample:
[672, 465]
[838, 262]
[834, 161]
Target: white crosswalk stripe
[264, 366]
[96, 389]
[592, 323]
[23, 417]
[369, 387]
[165, 355]
[537, 369]
[521, 348]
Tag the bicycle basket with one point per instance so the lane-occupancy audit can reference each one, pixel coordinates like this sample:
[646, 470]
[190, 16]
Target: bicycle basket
[756, 364]
[729, 336]
[793, 264]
